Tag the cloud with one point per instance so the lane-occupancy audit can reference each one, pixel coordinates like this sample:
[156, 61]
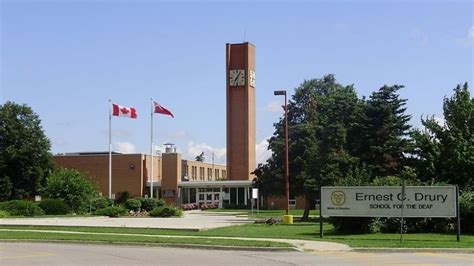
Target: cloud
[194, 149]
[124, 147]
[274, 107]
[440, 120]
[262, 152]
[468, 39]
[180, 134]
[220, 154]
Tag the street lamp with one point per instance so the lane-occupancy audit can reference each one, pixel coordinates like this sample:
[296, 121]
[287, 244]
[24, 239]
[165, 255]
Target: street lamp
[287, 171]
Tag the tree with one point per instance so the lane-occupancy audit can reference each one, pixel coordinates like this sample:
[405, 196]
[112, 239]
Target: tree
[445, 152]
[71, 186]
[386, 134]
[322, 116]
[25, 158]
[200, 157]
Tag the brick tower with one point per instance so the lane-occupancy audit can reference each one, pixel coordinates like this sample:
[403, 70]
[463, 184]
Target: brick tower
[240, 73]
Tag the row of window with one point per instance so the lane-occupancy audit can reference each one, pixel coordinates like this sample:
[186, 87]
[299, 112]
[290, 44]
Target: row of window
[211, 174]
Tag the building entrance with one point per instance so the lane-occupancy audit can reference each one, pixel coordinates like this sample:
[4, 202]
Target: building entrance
[209, 196]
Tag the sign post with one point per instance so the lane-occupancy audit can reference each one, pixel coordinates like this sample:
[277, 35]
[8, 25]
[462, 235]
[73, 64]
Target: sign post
[458, 216]
[254, 198]
[401, 213]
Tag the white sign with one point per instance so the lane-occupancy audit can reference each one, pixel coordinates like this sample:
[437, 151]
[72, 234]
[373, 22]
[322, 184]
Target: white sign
[387, 201]
[254, 193]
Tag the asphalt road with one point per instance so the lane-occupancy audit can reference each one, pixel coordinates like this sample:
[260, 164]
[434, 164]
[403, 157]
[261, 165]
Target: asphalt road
[83, 254]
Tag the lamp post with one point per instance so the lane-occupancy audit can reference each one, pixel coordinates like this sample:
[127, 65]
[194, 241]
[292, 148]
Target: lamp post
[287, 171]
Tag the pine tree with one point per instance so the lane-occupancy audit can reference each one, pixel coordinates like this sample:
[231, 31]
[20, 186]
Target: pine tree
[386, 132]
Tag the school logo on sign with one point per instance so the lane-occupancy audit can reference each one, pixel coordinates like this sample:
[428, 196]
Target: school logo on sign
[338, 198]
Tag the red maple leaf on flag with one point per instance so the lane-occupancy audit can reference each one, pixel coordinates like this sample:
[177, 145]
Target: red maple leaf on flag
[124, 110]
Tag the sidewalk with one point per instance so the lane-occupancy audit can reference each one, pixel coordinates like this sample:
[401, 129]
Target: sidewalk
[192, 220]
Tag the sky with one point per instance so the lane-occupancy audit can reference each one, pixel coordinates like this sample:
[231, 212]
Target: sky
[67, 59]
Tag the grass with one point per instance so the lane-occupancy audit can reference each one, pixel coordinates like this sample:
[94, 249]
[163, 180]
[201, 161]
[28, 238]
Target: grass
[299, 230]
[9, 235]
[266, 213]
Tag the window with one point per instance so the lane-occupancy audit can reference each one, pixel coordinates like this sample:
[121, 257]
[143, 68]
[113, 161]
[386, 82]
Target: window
[224, 174]
[209, 173]
[217, 173]
[194, 172]
[201, 173]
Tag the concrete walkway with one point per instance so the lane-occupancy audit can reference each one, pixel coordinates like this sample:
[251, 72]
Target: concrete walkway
[195, 220]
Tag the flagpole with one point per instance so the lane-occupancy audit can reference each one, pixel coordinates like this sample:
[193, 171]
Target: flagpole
[151, 149]
[110, 149]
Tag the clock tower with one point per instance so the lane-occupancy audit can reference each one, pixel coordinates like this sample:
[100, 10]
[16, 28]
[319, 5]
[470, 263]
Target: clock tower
[240, 76]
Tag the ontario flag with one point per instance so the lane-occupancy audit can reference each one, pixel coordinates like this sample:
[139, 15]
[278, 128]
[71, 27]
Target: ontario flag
[123, 111]
[161, 110]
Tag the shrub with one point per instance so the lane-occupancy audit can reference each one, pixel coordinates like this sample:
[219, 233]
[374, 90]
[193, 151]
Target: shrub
[71, 186]
[352, 225]
[149, 204]
[166, 211]
[133, 204]
[4, 214]
[466, 208]
[100, 203]
[111, 211]
[54, 206]
[122, 197]
[21, 208]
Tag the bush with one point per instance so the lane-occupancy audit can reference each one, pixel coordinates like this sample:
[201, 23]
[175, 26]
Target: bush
[133, 204]
[54, 206]
[4, 214]
[21, 208]
[71, 186]
[100, 203]
[149, 204]
[166, 211]
[466, 208]
[414, 225]
[122, 197]
[111, 211]
[352, 225]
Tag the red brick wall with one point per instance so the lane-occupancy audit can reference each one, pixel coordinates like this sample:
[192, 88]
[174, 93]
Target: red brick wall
[127, 171]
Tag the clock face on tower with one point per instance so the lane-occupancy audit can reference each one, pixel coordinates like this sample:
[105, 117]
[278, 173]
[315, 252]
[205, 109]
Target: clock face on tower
[237, 77]
[252, 78]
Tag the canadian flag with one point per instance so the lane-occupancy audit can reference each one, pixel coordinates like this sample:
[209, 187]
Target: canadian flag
[118, 110]
[161, 110]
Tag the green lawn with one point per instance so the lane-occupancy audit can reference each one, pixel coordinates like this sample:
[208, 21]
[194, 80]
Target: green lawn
[140, 239]
[266, 213]
[299, 230]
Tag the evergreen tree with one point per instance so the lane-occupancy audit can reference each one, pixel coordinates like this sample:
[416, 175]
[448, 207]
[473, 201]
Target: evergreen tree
[386, 133]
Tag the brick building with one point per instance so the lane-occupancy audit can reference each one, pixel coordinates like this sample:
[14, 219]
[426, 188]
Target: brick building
[180, 181]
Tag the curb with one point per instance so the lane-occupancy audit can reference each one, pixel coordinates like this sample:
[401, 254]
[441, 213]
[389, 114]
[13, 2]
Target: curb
[415, 250]
[135, 244]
